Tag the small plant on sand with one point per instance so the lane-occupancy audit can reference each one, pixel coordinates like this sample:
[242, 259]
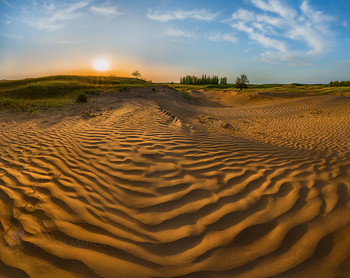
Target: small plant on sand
[123, 89]
[82, 97]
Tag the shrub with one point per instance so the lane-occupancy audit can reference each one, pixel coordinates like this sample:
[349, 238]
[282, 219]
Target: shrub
[339, 83]
[82, 97]
[123, 89]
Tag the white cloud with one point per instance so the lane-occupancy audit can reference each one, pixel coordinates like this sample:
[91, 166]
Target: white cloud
[201, 15]
[244, 15]
[222, 37]
[48, 17]
[278, 27]
[178, 33]
[108, 11]
[275, 6]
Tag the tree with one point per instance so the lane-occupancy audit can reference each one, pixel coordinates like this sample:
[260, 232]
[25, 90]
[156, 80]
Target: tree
[136, 74]
[194, 80]
[223, 80]
[241, 82]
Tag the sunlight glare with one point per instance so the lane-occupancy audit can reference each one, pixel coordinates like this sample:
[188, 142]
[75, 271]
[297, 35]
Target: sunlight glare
[101, 65]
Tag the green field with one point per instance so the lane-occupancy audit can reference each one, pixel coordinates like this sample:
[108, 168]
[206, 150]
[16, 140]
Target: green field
[56, 91]
[313, 89]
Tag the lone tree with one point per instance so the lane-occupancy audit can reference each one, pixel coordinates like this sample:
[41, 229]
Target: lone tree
[136, 74]
[241, 82]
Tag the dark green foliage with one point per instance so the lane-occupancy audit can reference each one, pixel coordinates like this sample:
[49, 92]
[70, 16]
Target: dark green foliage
[124, 89]
[205, 79]
[297, 84]
[82, 97]
[242, 82]
[339, 83]
[194, 80]
[223, 80]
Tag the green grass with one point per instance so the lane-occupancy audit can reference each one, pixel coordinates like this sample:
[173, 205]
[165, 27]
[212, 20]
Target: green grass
[315, 89]
[56, 91]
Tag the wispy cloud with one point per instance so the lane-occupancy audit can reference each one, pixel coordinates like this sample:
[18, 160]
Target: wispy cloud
[49, 17]
[7, 4]
[222, 37]
[106, 10]
[50, 6]
[277, 27]
[178, 33]
[12, 36]
[201, 15]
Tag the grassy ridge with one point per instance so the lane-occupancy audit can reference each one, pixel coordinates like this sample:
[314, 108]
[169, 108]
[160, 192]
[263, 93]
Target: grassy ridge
[317, 89]
[55, 91]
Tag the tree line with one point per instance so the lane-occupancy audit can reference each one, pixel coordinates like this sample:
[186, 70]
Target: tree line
[240, 82]
[339, 83]
[205, 79]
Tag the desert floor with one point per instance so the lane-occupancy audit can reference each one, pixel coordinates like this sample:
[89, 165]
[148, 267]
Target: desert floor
[148, 184]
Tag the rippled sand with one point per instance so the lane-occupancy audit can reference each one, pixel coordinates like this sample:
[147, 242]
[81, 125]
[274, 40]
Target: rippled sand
[145, 184]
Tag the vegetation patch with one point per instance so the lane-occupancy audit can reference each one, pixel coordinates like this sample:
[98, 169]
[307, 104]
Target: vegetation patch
[55, 91]
[82, 97]
[339, 84]
[295, 88]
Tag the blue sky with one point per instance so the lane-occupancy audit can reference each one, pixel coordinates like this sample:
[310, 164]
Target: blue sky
[272, 41]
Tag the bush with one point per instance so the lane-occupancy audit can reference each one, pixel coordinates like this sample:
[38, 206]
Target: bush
[82, 97]
[123, 89]
[339, 83]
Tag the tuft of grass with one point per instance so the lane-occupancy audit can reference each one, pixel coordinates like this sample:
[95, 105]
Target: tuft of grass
[82, 97]
[123, 89]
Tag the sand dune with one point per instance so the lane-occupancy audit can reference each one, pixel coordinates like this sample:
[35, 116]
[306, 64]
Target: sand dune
[145, 184]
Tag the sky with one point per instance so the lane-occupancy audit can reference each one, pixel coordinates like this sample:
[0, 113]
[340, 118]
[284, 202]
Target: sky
[272, 41]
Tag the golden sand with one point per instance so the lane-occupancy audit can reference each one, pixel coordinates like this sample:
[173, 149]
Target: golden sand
[146, 184]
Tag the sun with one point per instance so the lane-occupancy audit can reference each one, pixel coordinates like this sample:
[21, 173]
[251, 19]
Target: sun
[101, 65]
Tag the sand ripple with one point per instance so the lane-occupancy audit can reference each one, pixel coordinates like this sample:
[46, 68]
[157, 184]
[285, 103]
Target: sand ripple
[137, 193]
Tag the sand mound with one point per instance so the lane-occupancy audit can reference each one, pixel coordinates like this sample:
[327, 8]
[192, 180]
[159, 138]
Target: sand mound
[139, 185]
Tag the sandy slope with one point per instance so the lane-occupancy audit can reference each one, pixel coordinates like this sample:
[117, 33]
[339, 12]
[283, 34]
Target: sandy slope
[144, 184]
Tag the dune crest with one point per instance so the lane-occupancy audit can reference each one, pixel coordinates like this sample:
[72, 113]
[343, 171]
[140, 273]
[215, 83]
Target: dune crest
[148, 185]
